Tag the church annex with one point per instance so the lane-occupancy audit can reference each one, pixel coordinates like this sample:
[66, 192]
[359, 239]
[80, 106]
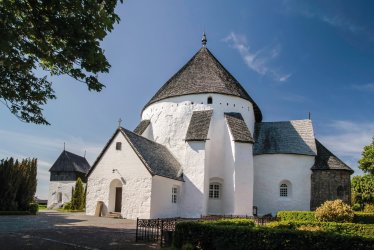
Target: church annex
[201, 148]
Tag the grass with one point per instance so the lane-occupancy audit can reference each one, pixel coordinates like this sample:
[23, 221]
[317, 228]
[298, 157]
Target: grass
[42, 207]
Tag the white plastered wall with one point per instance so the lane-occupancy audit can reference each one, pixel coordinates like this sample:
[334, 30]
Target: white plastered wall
[136, 180]
[161, 201]
[270, 170]
[201, 161]
[63, 187]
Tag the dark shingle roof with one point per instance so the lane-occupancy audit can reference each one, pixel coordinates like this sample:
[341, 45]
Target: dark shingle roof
[156, 158]
[238, 128]
[69, 162]
[143, 125]
[203, 73]
[199, 125]
[288, 137]
[325, 160]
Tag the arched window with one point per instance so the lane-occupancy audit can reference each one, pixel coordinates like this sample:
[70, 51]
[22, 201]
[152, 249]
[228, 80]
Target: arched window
[210, 100]
[214, 191]
[340, 192]
[283, 190]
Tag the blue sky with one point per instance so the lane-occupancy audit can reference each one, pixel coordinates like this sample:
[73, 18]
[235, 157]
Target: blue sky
[293, 57]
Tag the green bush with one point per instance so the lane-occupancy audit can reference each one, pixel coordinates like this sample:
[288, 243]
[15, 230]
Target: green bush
[209, 236]
[369, 208]
[334, 211]
[356, 207]
[33, 208]
[351, 229]
[364, 218]
[67, 206]
[296, 216]
[236, 222]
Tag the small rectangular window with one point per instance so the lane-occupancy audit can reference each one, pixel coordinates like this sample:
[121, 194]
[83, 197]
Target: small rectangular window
[214, 191]
[118, 146]
[174, 193]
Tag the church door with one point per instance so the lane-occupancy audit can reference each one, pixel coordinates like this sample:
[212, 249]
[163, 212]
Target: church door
[118, 204]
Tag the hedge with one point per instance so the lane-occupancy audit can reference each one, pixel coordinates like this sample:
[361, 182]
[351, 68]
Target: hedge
[296, 216]
[352, 229]
[364, 218]
[234, 222]
[210, 236]
[360, 217]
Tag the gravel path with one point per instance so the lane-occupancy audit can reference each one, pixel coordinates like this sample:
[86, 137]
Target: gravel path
[54, 230]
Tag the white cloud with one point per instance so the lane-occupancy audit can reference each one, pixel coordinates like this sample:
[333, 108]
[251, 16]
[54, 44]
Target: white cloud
[346, 139]
[364, 87]
[259, 60]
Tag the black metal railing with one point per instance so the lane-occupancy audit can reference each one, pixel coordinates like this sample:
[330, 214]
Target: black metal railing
[161, 230]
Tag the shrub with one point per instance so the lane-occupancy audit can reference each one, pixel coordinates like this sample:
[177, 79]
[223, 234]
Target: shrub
[33, 208]
[369, 208]
[352, 229]
[296, 216]
[209, 236]
[236, 222]
[67, 206]
[334, 211]
[356, 207]
[78, 196]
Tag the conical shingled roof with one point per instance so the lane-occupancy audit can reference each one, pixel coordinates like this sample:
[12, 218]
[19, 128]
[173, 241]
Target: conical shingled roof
[203, 73]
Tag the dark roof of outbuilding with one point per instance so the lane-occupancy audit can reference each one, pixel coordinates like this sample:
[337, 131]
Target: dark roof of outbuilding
[203, 73]
[156, 158]
[288, 137]
[69, 162]
[325, 160]
[143, 125]
[238, 128]
[199, 125]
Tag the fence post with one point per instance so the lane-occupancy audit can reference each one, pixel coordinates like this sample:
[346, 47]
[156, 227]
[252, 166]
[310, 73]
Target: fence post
[136, 234]
[162, 232]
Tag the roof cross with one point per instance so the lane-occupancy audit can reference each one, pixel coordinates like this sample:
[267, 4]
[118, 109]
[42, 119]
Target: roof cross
[204, 40]
[119, 122]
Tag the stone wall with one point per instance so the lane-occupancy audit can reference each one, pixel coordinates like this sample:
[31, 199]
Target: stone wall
[330, 185]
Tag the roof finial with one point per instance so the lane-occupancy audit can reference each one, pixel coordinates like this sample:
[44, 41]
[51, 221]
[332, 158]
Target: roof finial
[204, 40]
[119, 122]
[64, 146]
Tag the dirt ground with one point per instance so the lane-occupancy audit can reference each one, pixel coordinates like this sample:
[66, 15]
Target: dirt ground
[54, 230]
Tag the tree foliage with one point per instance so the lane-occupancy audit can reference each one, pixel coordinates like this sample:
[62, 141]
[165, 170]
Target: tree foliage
[77, 201]
[363, 190]
[17, 183]
[61, 37]
[366, 163]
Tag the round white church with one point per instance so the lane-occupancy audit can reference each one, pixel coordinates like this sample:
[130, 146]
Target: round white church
[201, 148]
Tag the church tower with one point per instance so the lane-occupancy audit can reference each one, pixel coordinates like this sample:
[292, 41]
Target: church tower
[206, 119]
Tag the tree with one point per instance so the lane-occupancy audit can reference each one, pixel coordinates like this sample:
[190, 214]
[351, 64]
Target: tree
[60, 37]
[363, 190]
[17, 183]
[77, 199]
[366, 163]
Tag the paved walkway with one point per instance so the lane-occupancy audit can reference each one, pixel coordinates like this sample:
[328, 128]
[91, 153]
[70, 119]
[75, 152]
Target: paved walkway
[54, 230]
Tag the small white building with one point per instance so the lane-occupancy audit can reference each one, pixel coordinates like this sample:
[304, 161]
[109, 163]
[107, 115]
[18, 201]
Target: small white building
[201, 148]
[64, 173]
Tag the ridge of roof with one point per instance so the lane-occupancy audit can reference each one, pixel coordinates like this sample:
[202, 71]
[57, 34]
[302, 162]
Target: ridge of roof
[202, 74]
[326, 160]
[70, 162]
[153, 155]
